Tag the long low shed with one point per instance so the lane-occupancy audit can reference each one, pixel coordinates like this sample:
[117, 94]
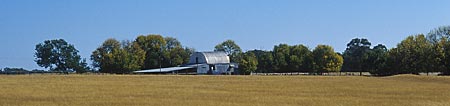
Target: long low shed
[164, 70]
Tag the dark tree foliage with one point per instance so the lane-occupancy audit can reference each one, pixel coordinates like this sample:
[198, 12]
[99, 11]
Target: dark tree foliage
[59, 56]
[286, 58]
[8, 70]
[280, 58]
[356, 55]
[444, 53]
[376, 61]
[265, 61]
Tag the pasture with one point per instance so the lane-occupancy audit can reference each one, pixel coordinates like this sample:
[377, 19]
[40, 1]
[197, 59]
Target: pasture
[185, 90]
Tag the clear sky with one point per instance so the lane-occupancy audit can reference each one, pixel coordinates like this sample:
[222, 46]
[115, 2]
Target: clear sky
[201, 24]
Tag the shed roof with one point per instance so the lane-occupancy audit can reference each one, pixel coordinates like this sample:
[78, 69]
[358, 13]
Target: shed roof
[164, 70]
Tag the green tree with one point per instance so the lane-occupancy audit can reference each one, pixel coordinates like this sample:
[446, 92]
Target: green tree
[172, 43]
[326, 60]
[377, 58]
[60, 56]
[248, 63]
[177, 56]
[281, 57]
[438, 56]
[414, 55]
[445, 59]
[265, 60]
[187, 54]
[300, 59]
[440, 37]
[356, 55]
[118, 57]
[153, 45]
[231, 48]
[105, 57]
[175, 53]
[133, 56]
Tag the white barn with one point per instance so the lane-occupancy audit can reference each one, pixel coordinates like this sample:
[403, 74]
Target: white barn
[213, 63]
[203, 63]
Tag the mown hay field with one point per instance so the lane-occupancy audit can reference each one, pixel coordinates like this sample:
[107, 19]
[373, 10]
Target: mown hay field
[163, 90]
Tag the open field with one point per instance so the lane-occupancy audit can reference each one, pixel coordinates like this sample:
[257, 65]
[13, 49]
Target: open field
[112, 90]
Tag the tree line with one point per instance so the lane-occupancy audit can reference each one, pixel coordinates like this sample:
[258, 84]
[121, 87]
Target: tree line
[416, 54]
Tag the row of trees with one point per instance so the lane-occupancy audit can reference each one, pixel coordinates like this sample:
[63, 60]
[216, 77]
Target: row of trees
[284, 58]
[296, 58]
[415, 54]
[145, 52]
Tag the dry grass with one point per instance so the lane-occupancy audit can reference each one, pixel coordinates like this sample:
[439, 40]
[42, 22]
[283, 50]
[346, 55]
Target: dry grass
[112, 90]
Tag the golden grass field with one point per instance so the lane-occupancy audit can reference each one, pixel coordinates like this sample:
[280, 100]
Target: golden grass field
[183, 90]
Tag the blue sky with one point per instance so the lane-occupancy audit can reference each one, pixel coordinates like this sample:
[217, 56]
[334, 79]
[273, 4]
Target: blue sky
[201, 24]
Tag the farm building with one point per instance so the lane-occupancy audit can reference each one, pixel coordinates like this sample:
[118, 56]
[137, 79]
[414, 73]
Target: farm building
[215, 63]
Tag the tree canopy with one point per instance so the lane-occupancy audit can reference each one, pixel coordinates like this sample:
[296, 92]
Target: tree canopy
[146, 52]
[114, 57]
[230, 48]
[326, 60]
[59, 56]
[356, 55]
[248, 63]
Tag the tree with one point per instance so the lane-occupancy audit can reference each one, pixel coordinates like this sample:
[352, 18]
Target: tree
[132, 56]
[265, 60]
[300, 59]
[153, 45]
[105, 57]
[175, 53]
[172, 43]
[414, 55]
[248, 63]
[8, 70]
[438, 61]
[440, 37]
[177, 56]
[118, 57]
[356, 55]
[230, 48]
[377, 58]
[280, 57]
[187, 54]
[60, 56]
[445, 56]
[437, 34]
[146, 52]
[326, 60]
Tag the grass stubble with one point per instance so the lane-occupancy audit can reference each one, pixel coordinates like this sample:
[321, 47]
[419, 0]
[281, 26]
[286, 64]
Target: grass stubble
[166, 90]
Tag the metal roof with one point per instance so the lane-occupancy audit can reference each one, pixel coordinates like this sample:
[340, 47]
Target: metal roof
[164, 70]
[215, 57]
